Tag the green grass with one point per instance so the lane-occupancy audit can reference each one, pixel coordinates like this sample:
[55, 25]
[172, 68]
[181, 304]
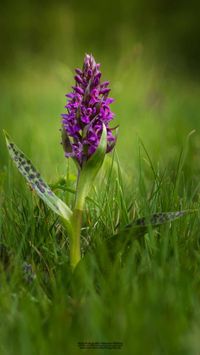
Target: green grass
[148, 296]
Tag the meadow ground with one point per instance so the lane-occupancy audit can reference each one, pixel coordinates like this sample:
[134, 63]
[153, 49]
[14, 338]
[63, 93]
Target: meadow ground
[147, 297]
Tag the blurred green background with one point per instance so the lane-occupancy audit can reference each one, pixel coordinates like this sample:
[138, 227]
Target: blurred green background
[149, 51]
[60, 30]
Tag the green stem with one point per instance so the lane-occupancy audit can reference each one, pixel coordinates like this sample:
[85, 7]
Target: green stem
[76, 223]
[75, 252]
[86, 176]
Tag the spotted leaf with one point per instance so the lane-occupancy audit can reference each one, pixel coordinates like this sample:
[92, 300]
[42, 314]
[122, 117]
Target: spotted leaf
[156, 219]
[35, 180]
[138, 228]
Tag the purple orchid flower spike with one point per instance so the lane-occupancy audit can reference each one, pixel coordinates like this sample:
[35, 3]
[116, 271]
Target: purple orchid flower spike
[88, 108]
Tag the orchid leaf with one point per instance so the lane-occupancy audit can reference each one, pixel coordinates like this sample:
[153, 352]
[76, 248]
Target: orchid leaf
[33, 177]
[156, 219]
[90, 169]
[139, 228]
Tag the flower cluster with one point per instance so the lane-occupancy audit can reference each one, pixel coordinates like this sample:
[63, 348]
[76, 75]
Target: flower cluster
[88, 108]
